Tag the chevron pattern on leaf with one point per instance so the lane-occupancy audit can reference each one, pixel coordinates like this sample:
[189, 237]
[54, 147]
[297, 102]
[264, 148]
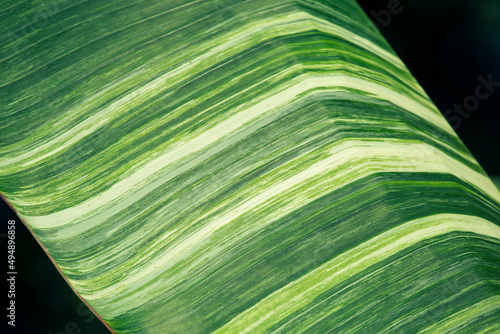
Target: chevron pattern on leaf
[242, 167]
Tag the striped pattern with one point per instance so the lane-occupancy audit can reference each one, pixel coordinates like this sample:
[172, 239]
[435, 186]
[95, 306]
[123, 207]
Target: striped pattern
[242, 167]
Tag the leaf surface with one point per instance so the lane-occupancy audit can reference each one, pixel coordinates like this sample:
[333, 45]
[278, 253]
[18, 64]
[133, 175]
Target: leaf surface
[242, 166]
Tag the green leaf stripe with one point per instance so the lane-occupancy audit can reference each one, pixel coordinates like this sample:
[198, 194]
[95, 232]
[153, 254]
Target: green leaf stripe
[242, 167]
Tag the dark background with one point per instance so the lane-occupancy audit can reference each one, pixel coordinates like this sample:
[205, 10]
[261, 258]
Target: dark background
[446, 44]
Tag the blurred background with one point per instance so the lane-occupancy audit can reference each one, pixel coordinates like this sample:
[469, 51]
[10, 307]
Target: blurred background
[446, 44]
